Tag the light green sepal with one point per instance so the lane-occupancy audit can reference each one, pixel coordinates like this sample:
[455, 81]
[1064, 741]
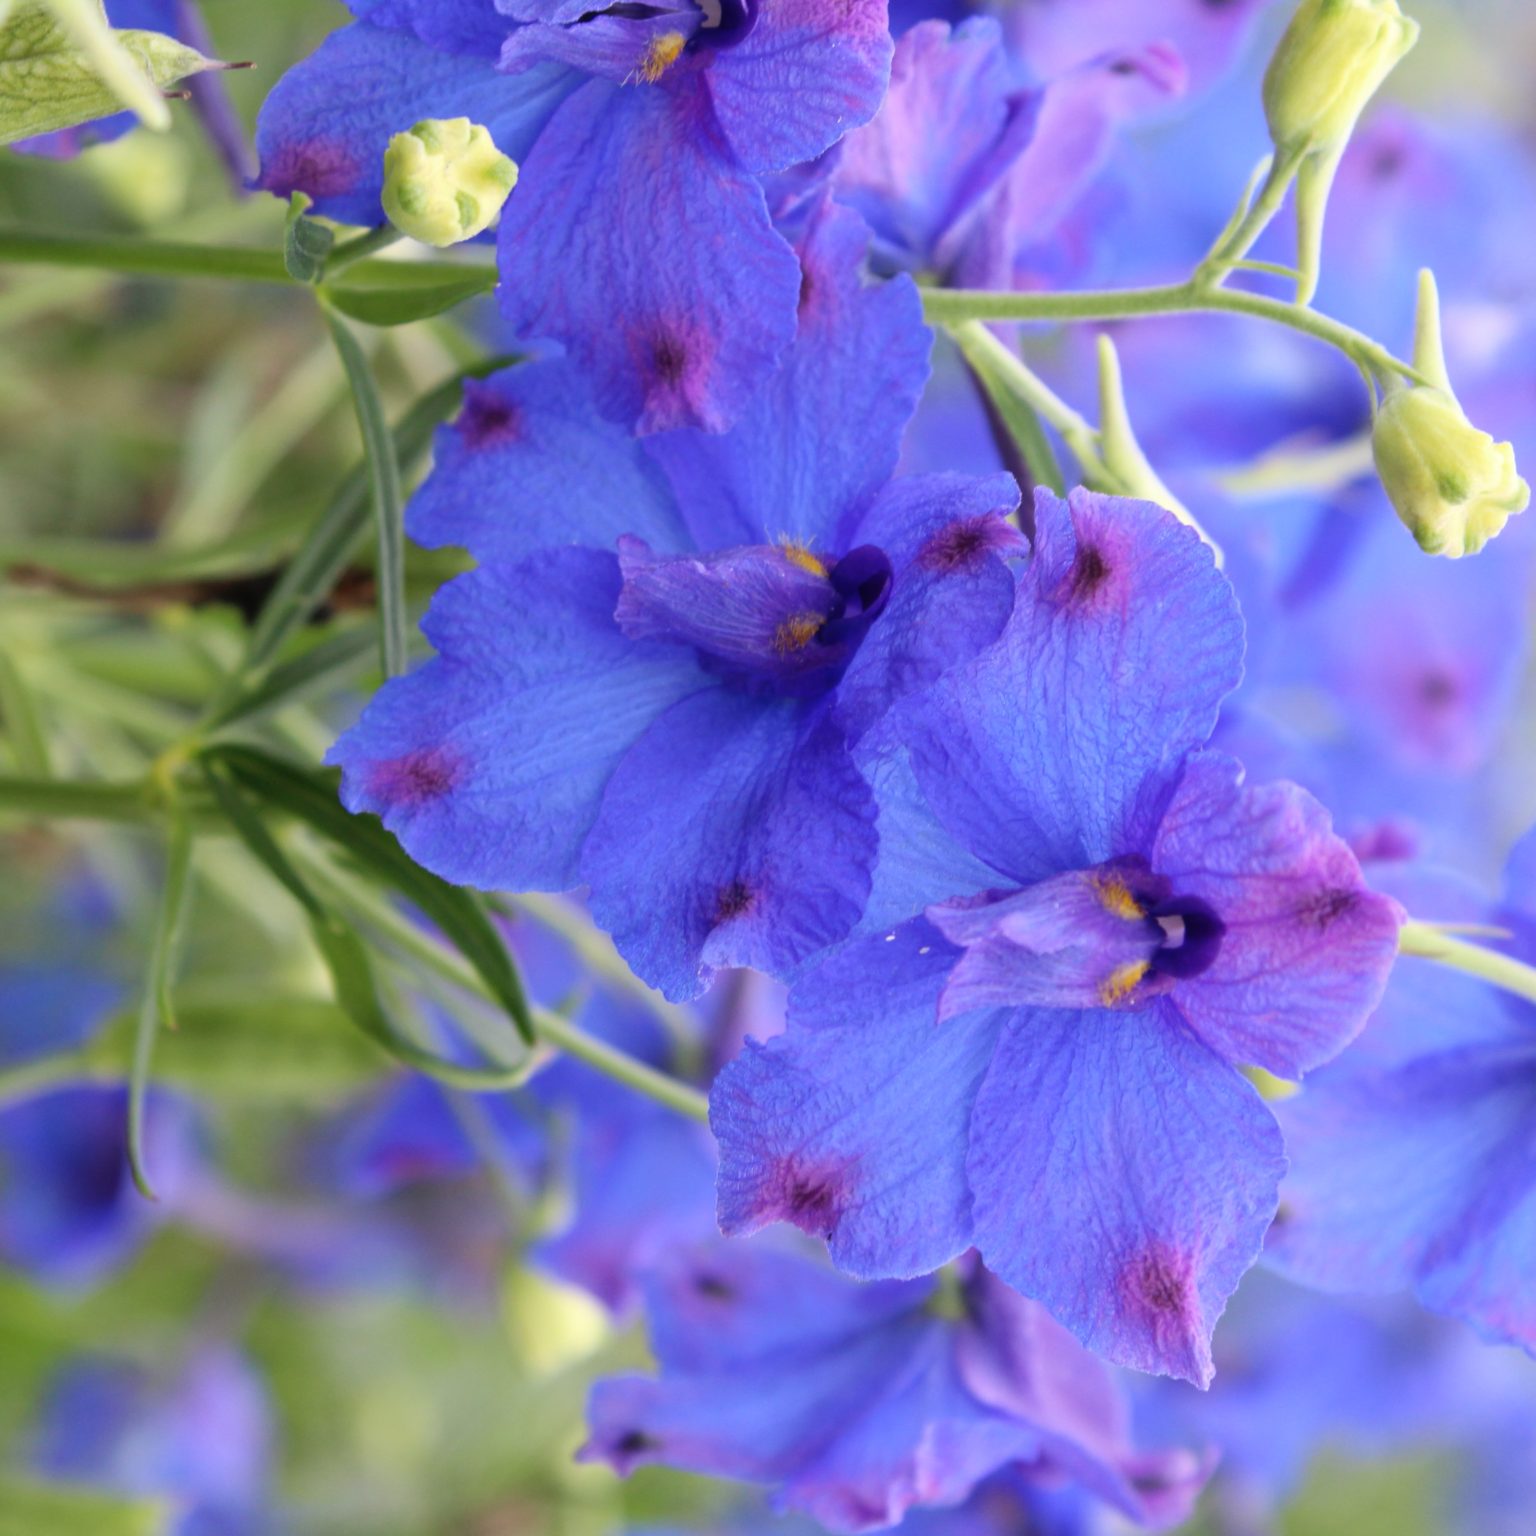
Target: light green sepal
[48, 82]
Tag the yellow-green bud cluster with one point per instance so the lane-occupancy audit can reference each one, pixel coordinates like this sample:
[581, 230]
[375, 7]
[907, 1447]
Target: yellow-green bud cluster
[1452, 485]
[1329, 63]
[445, 181]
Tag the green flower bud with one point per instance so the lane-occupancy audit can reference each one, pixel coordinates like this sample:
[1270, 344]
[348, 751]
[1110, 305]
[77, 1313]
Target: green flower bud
[1452, 485]
[445, 181]
[1327, 66]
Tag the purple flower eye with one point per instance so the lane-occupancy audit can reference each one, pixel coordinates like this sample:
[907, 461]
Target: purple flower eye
[1192, 935]
[725, 22]
[862, 580]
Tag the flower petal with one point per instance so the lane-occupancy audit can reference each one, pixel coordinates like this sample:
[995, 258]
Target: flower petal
[1123, 1176]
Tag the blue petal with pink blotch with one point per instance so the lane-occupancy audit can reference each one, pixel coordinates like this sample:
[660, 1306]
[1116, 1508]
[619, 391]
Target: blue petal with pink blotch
[855, 1404]
[1096, 924]
[1411, 1156]
[670, 716]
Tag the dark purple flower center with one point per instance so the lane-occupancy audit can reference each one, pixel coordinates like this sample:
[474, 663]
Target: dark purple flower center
[726, 22]
[773, 618]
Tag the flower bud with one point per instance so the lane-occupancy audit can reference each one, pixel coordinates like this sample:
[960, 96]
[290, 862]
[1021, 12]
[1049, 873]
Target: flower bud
[445, 181]
[1327, 66]
[1452, 485]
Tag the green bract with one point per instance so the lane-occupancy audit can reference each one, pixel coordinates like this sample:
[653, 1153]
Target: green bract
[1453, 485]
[49, 80]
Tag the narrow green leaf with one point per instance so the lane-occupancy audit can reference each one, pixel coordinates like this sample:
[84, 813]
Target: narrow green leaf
[61, 66]
[397, 292]
[306, 242]
[324, 664]
[388, 498]
[1010, 409]
[156, 1010]
[277, 1048]
[63, 800]
[459, 914]
[345, 954]
[332, 542]
[23, 727]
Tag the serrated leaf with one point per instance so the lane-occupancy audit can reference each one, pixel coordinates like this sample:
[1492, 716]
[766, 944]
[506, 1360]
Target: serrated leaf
[48, 81]
[398, 292]
[306, 242]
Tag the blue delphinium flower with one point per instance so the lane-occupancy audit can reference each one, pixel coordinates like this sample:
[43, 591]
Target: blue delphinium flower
[200, 1437]
[856, 1403]
[653, 683]
[69, 1212]
[1411, 1156]
[1302, 1376]
[1043, 1060]
[639, 237]
[964, 173]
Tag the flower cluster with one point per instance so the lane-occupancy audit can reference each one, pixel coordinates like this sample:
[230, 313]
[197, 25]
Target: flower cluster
[1011, 864]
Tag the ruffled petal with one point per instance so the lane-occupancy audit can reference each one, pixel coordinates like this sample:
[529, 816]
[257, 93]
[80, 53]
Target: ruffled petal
[1123, 1176]
[736, 831]
[635, 242]
[1308, 945]
[824, 436]
[852, 1125]
[950, 544]
[530, 463]
[1057, 748]
[807, 72]
[489, 762]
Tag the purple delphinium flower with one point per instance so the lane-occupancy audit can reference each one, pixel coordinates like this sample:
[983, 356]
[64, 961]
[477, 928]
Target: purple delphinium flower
[1411, 1157]
[639, 237]
[856, 1403]
[654, 681]
[200, 1438]
[1043, 1061]
[964, 174]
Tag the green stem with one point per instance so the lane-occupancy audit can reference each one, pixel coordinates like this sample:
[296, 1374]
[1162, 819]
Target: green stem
[549, 1026]
[1256, 219]
[29, 1078]
[1430, 942]
[351, 252]
[130, 256]
[55, 798]
[953, 306]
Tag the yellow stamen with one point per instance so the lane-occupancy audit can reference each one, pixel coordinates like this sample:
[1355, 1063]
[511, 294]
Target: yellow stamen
[800, 554]
[661, 53]
[1116, 897]
[796, 632]
[1121, 982]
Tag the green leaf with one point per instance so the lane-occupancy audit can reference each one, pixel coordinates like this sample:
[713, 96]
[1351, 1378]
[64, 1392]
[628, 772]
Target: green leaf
[388, 498]
[156, 1011]
[1011, 409]
[52, 75]
[459, 914]
[323, 664]
[398, 292]
[56, 1509]
[346, 956]
[306, 242]
[332, 542]
[281, 1049]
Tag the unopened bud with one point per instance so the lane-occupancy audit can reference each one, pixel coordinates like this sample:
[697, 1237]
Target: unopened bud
[445, 181]
[1328, 64]
[1452, 485]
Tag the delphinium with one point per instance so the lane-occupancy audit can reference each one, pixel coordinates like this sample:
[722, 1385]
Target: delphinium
[741, 743]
